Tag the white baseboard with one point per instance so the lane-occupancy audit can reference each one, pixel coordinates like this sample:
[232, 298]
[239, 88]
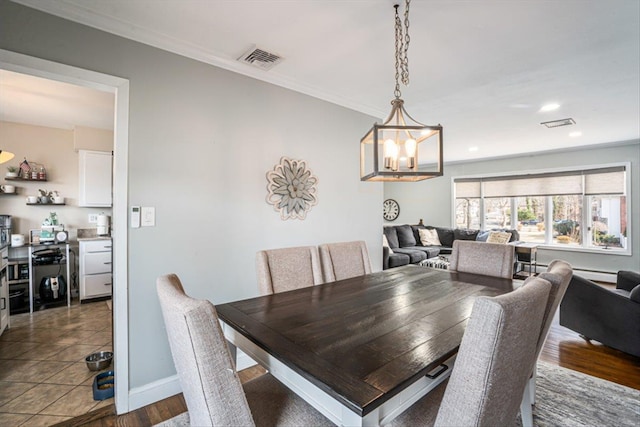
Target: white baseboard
[170, 386]
[153, 392]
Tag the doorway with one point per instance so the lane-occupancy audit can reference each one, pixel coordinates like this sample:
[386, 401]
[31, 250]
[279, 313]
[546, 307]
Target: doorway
[24, 64]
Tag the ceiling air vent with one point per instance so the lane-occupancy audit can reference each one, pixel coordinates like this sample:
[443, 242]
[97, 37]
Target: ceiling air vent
[260, 58]
[558, 123]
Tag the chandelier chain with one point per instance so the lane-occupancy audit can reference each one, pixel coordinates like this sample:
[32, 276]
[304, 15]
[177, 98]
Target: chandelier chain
[402, 48]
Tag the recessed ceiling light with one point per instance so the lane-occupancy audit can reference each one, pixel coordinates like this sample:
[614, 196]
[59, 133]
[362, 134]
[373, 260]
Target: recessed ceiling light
[549, 107]
[474, 148]
[575, 134]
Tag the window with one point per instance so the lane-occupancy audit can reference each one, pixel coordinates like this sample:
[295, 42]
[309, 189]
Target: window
[608, 221]
[468, 213]
[567, 218]
[531, 215]
[583, 208]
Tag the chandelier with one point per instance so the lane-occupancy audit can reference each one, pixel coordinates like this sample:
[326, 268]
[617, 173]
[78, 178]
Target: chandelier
[401, 149]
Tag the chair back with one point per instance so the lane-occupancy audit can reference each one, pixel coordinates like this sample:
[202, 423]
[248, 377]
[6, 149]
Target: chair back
[210, 384]
[489, 259]
[495, 359]
[286, 269]
[559, 274]
[344, 260]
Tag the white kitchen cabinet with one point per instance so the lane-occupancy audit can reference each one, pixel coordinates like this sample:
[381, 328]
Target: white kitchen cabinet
[95, 180]
[95, 268]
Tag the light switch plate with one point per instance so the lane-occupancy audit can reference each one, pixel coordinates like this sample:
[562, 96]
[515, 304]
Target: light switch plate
[93, 218]
[148, 216]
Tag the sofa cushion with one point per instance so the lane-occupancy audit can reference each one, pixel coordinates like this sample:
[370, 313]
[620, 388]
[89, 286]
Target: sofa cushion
[415, 255]
[429, 237]
[634, 295]
[416, 232]
[498, 237]
[397, 260]
[405, 236]
[430, 251]
[445, 235]
[392, 237]
[465, 234]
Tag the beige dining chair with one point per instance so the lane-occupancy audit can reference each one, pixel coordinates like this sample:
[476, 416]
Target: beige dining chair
[210, 384]
[489, 259]
[344, 260]
[494, 362]
[286, 269]
[559, 275]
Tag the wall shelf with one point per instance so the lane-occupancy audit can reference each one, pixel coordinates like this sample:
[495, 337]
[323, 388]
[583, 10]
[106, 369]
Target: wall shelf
[46, 204]
[7, 178]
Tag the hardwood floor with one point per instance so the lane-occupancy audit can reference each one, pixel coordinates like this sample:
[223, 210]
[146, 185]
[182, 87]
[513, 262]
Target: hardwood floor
[563, 348]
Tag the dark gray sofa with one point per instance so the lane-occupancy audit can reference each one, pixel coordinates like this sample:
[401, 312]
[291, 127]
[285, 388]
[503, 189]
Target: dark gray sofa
[611, 317]
[404, 241]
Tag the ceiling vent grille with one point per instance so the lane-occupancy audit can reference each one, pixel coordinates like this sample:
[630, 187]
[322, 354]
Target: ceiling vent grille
[558, 123]
[260, 58]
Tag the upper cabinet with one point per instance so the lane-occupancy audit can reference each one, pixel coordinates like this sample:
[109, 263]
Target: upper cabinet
[95, 178]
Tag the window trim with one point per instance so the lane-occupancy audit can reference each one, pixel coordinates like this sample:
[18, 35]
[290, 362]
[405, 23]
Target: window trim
[586, 198]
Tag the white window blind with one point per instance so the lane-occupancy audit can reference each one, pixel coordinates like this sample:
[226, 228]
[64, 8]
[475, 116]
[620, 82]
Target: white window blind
[609, 181]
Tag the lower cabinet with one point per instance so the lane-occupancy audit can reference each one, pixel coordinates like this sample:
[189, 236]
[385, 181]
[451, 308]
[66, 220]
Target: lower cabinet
[96, 277]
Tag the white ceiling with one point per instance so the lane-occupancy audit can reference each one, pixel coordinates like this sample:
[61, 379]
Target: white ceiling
[483, 68]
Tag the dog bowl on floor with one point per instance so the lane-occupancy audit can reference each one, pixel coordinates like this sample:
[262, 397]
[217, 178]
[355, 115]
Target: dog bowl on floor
[103, 385]
[99, 361]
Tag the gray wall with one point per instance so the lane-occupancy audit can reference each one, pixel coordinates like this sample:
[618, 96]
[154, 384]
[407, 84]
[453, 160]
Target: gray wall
[430, 200]
[201, 141]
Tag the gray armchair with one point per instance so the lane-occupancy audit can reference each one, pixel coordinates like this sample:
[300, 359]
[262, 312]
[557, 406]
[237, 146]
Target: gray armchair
[611, 317]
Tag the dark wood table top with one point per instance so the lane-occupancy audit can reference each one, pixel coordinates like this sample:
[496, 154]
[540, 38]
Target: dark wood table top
[365, 339]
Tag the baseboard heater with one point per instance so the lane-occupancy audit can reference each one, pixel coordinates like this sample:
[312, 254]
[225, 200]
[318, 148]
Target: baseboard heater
[595, 275]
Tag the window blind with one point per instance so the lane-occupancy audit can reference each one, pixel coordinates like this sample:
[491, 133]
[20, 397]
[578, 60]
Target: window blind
[610, 181]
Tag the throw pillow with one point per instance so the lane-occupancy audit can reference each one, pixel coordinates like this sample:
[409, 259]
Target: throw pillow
[429, 237]
[634, 295]
[499, 237]
[385, 243]
[482, 236]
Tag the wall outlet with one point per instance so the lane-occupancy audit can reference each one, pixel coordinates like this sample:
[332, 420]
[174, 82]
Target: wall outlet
[93, 218]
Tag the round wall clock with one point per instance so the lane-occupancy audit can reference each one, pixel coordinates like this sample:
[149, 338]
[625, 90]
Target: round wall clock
[391, 210]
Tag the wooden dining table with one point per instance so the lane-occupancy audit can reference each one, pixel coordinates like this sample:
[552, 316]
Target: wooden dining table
[361, 350]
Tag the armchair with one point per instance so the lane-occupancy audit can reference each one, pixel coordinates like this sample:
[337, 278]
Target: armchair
[611, 317]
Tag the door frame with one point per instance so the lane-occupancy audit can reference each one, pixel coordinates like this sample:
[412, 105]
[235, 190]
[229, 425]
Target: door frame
[20, 63]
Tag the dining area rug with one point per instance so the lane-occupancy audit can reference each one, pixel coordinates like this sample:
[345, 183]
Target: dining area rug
[563, 398]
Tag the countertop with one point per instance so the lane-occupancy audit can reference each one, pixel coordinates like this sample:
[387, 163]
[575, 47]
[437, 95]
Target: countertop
[86, 239]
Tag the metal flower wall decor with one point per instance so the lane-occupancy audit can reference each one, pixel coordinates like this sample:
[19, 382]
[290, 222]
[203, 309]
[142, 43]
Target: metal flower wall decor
[292, 189]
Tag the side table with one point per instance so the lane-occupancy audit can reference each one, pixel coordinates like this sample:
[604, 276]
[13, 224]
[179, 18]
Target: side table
[527, 254]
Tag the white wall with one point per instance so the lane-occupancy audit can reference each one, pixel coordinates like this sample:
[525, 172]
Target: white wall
[430, 200]
[201, 141]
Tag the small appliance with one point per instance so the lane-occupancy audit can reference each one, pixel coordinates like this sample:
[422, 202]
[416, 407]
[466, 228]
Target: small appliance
[53, 288]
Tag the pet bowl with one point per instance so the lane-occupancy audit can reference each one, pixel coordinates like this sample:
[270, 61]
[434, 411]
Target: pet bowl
[99, 361]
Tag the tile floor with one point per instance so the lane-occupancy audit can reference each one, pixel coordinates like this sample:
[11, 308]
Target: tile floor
[43, 376]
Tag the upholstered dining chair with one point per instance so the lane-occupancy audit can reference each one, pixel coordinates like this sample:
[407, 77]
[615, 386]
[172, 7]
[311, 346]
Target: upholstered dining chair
[344, 260]
[494, 362]
[559, 275]
[209, 381]
[489, 259]
[286, 269]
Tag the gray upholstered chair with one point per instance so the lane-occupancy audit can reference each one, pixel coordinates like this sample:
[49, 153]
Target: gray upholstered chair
[209, 381]
[559, 274]
[344, 260]
[489, 259]
[286, 269]
[494, 362]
